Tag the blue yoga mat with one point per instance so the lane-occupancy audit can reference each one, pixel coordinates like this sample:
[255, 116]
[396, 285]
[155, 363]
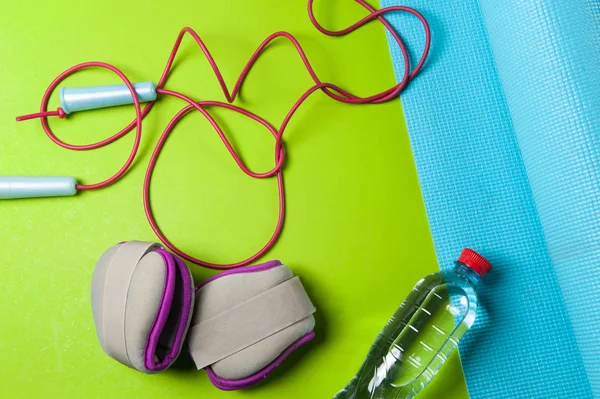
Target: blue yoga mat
[505, 128]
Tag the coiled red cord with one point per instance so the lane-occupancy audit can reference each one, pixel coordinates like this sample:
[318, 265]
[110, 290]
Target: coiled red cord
[329, 89]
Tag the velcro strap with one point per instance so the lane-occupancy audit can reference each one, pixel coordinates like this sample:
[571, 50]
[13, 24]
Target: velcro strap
[118, 277]
[249, 322]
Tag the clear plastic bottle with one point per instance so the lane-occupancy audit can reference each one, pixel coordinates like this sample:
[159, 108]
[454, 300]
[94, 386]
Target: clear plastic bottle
[423, 332]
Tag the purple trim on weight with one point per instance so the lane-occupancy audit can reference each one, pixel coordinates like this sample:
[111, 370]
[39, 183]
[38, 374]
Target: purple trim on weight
[175, 268]
[231, 385]
[249, 269]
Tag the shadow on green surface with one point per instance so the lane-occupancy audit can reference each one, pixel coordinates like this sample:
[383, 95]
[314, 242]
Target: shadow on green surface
[183, 364]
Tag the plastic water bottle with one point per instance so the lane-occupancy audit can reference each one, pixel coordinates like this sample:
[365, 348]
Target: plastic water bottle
[423, 332]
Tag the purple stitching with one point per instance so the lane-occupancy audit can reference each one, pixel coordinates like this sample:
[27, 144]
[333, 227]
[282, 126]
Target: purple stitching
[161, 316]
[188, 296]
[250, 269]
[172, 264]
[231, 385]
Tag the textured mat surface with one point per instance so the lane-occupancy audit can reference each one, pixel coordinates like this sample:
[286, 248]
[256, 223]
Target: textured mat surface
[504, 128]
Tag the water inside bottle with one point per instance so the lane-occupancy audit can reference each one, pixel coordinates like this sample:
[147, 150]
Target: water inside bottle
[417, 341]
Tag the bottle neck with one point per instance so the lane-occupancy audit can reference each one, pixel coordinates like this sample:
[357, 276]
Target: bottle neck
[465, 271]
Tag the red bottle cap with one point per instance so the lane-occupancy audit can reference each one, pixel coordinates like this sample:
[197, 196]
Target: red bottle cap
[475, 261]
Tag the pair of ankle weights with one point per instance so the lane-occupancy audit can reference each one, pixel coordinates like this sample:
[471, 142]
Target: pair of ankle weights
[238, 325]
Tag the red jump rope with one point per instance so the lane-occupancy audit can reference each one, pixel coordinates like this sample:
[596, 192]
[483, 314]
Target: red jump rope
[331, 90]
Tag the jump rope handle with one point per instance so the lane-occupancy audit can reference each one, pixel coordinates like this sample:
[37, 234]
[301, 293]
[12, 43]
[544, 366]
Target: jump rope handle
[94, 97]
[71, 100]
[37, 186]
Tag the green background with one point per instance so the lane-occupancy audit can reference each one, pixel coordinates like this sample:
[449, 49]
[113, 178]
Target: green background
[356, 229]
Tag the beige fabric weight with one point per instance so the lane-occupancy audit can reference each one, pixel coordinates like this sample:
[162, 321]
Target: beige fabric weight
[243, 322]
[128, 288]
